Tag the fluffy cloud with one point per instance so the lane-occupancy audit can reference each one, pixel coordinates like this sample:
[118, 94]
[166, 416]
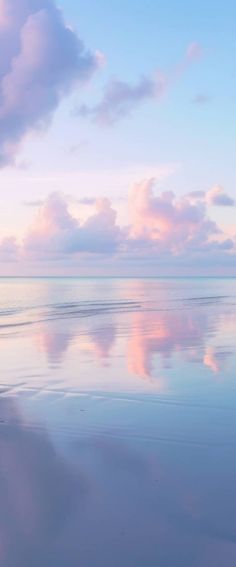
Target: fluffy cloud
[55, 233]
[217, 197]
[120, 98]
[163, 230]
[43, 59]
[172, 225]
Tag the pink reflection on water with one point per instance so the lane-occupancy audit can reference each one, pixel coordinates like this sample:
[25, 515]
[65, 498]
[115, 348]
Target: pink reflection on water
[161, 333]
[54, 343]
[150, 340]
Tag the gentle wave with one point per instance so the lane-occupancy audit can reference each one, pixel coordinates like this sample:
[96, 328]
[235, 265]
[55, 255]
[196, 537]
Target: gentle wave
[63, 311]
[18, 316]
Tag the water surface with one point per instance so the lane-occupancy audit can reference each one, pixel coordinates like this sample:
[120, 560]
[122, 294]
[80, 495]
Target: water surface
[117, 422]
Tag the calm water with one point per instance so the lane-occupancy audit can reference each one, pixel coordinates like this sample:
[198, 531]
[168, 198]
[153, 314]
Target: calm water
[118, 423]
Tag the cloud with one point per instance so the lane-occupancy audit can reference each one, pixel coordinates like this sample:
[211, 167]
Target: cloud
[163, 232]
[120, 98]
[43, 60]
[55, 233]
[217, 197]
[168, 224]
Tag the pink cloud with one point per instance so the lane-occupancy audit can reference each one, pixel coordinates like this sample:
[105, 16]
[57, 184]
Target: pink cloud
[164, 230]
[171, 224]
[55, 233]
[43, 60]
[217, 197]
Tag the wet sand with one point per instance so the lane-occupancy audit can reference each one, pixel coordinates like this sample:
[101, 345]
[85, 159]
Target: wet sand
[117, 423]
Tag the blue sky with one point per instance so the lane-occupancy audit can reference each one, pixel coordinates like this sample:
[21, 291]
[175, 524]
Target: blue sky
[136, 41]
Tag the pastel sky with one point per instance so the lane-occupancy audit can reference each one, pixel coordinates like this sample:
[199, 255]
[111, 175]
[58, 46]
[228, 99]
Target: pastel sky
[117, 137]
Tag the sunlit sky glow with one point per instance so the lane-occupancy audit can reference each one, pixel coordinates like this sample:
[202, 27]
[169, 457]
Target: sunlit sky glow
[117, 138]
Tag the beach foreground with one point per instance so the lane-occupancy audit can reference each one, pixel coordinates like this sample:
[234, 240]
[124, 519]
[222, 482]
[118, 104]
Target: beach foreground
[117, 422]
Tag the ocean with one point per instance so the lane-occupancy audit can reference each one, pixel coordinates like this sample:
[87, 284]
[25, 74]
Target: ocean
[118, 422]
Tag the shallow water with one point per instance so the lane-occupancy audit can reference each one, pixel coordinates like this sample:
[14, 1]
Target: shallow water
[117, 422]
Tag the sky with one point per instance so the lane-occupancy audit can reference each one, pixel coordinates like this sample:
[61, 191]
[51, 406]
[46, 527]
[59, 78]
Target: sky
[117, 138]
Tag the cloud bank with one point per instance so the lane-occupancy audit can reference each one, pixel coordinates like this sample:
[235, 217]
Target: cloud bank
[163, 229]
[43, 60]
